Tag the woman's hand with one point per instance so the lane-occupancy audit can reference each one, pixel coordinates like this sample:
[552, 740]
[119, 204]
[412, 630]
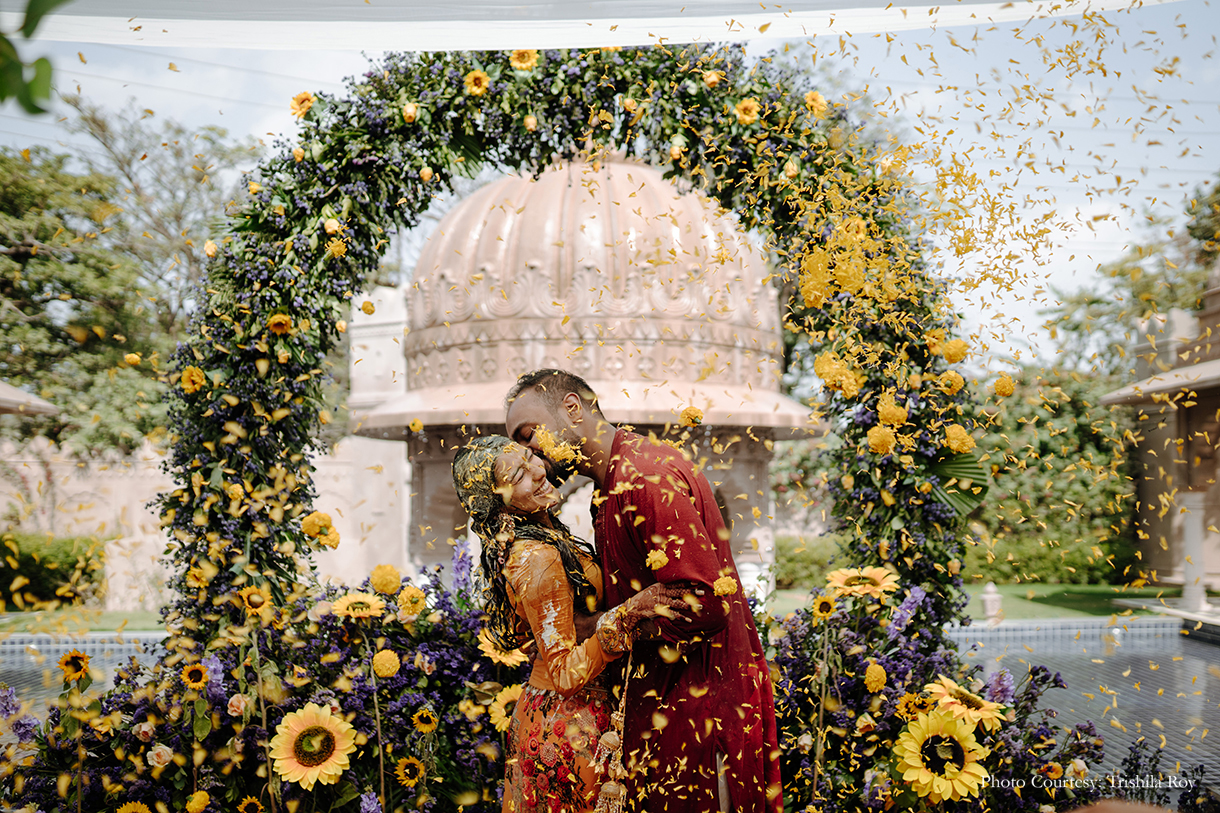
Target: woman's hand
[659, 600]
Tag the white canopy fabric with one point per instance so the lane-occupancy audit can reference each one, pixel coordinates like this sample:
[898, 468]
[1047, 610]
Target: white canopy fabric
[13, 400]
[433, 25]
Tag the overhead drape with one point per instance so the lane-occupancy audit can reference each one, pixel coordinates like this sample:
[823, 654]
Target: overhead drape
[409, 25]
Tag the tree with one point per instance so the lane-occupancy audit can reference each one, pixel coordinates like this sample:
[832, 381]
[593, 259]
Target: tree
[72, 307]
[33, 88]
[173, 185]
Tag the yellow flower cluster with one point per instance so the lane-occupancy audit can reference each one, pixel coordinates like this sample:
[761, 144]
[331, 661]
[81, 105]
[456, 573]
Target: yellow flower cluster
[556, 450]
[691, 416]
[836, 375]
[318, 526]
[192, 380]
[958, 439]
[657, 559]
[725, 586]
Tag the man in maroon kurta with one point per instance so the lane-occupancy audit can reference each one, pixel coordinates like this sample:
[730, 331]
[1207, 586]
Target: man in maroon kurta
[700, 731]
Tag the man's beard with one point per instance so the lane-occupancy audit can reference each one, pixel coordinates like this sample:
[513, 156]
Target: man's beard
[558, 473]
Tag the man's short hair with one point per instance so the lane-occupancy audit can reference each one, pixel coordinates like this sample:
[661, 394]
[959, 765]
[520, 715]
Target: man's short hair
[552, 387]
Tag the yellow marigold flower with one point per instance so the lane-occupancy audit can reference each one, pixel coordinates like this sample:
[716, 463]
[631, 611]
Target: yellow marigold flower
[958, 439]
[724, 586]
[657, 559]
[691, 416]
[530, 123]
[409, 771]
[312, 746]
[75, 665]
[523, 59]
[939, 758]
[255, 187]
[889, 412]
[874, 677]
[410, 112]
[279, 323]
[197, 802]
[316, 524]
[951, 381]
[385, 579]
[558, 451]
[368, 307]
[935, 340]
[1005, 386]
[477, 82]
[881, 440]
[358, 606]
[416, 425]
[488, 646]
[192, 380]
[195, 676]
[335, 247]
[210, 249]
[386, 663]
[815, 278]
[747, 111]
[850, 275]
[955, 350]
[425, 174]
[411, 602]
[816, 103]
[133, 359]
[854, 228]
[301, 103]
[424, 720]
[298, 154]
[712, 78]
[501, 711]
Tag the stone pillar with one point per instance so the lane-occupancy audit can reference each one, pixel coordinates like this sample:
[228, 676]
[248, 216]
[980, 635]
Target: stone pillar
[437, 519]
[1195, 540]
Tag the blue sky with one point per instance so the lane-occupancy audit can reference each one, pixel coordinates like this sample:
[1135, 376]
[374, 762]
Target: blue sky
[1134, 137]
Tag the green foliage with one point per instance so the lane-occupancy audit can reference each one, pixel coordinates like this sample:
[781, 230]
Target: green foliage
[1062, 499]
[28, 83]
[802, 562]
[1204, 224]
[71, 308]
[37, 569]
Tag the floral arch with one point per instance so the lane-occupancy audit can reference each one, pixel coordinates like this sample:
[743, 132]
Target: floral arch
[394, 676]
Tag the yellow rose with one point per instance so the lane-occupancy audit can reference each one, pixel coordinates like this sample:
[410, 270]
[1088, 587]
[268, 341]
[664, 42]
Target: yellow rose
[881, 440]
[531, 123]
[477, 82]
[341, 326]
[410, 112]
[209, 249]
[958, 439]
[193, 380]
[301, 103]
[279, 323]
[747, 111]
[332, 226]
[712, 78]
[791, 170]
[425, 174]
[298, 154]
[675, 151]
[368, 307]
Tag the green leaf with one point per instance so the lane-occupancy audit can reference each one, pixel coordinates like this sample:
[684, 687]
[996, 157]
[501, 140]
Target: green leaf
[350, 792]
[203, 721]
[34, 12]
[40, 85]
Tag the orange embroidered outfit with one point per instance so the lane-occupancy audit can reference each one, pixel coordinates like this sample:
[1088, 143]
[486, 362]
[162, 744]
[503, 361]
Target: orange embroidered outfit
[564, 708]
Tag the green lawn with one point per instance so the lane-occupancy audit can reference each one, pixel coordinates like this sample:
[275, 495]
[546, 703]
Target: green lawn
[73, 620]
[1032, 600]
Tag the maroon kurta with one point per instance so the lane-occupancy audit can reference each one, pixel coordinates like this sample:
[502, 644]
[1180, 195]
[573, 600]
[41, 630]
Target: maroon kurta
[705, 687]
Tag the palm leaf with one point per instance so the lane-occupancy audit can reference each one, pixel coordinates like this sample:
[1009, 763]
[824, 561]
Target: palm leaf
[972, 483]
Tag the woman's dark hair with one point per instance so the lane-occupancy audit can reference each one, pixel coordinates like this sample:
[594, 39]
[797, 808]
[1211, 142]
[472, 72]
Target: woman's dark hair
[475, 480]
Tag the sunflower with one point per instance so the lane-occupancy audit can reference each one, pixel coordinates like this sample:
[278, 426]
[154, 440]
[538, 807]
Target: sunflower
[965, 705]
[523, 59]
[424, 721]
[301, 103]
[75, 665]
[911, 705]
[409, 771]
[134, 807]
[256, 599]
[477, 83]
[823, 607]
[358, 605]
[862, 581]
[502, 707]
[250, 805]
[195, 676]
[938, 756]
[311, 745]
[489, 648]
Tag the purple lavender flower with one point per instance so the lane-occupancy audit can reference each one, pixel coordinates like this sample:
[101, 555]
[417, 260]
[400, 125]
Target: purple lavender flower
[369, 803]
[906, 610]
[1000, 687]
[24, 727]
[9, 705]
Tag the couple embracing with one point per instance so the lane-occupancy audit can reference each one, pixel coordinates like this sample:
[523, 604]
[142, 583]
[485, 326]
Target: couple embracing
[650, 690]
